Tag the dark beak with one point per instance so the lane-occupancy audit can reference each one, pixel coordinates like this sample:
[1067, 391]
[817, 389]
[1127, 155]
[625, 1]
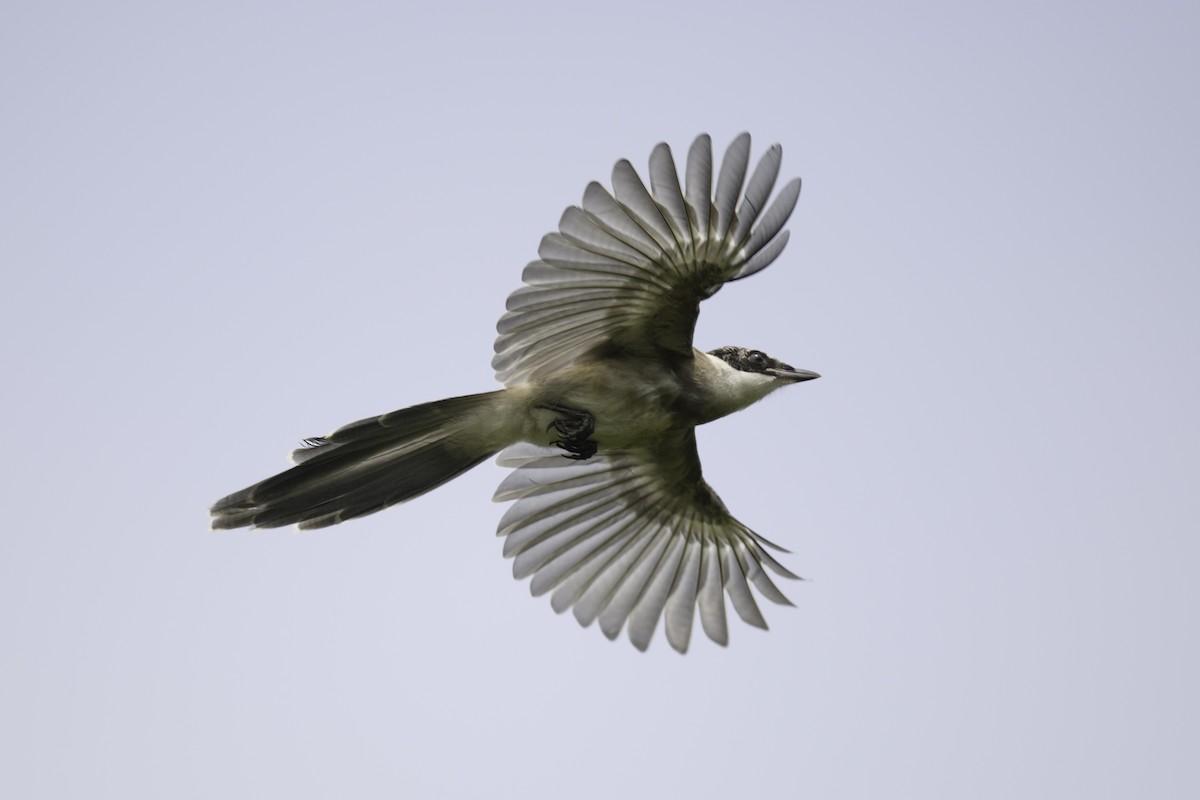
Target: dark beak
[792, 374]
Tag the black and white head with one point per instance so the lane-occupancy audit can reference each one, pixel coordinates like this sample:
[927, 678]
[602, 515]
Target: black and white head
[756, 361]
[744, 376]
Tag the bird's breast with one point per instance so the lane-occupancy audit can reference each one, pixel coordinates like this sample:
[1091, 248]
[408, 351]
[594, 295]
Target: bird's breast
[633, 401]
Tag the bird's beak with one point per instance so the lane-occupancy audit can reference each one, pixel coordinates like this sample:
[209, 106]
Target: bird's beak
[793, 375]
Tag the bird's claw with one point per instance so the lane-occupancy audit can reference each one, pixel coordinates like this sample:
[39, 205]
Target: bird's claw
[574, 427]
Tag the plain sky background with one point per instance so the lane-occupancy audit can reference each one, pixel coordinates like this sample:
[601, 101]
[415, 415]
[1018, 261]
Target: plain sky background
[227, 226]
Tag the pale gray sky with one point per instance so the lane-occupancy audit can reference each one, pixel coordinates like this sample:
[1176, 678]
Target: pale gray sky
[228, 226]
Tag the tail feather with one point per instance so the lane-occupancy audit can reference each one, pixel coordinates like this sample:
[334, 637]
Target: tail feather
[364, 467]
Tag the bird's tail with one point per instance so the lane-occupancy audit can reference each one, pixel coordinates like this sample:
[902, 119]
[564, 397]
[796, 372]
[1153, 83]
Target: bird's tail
[368, 465]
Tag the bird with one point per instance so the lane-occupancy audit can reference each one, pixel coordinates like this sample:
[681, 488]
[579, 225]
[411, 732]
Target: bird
[602, 393]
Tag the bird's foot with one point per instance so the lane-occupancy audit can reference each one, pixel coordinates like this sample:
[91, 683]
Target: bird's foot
[574, 427]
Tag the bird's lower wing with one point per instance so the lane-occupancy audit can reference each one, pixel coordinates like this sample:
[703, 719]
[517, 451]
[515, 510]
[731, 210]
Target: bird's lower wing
[629, 537]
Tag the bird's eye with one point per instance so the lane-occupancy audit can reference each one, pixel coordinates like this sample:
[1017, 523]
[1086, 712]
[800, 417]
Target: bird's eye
[757, 360]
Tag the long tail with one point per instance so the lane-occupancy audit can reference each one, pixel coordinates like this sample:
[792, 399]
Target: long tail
[366, 466]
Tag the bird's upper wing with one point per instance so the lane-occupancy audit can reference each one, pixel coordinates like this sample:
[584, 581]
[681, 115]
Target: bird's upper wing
[627, 271]
[633, 536]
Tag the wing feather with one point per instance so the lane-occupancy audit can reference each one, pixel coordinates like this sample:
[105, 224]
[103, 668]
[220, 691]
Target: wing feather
[577, 226]
[681, 604]
[664, 185]
[710, 596]
[774, 218]
[729, 185]
[757, 191]
[577, 580]
[574, 552]
[631, 194]
[763, 258]
[559, 251]
[595, 597]
[738, 590]
[753, 570]
[648, 606]
[699, 191]
[612, 216]
[630, 590]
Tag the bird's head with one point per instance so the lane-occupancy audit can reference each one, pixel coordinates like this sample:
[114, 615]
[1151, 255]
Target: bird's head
[744, 376]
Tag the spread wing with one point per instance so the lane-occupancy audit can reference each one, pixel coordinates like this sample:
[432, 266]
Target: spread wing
[632, 536]
[627, 270]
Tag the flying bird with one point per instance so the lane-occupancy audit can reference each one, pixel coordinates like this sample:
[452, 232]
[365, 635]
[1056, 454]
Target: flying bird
[602, 393]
